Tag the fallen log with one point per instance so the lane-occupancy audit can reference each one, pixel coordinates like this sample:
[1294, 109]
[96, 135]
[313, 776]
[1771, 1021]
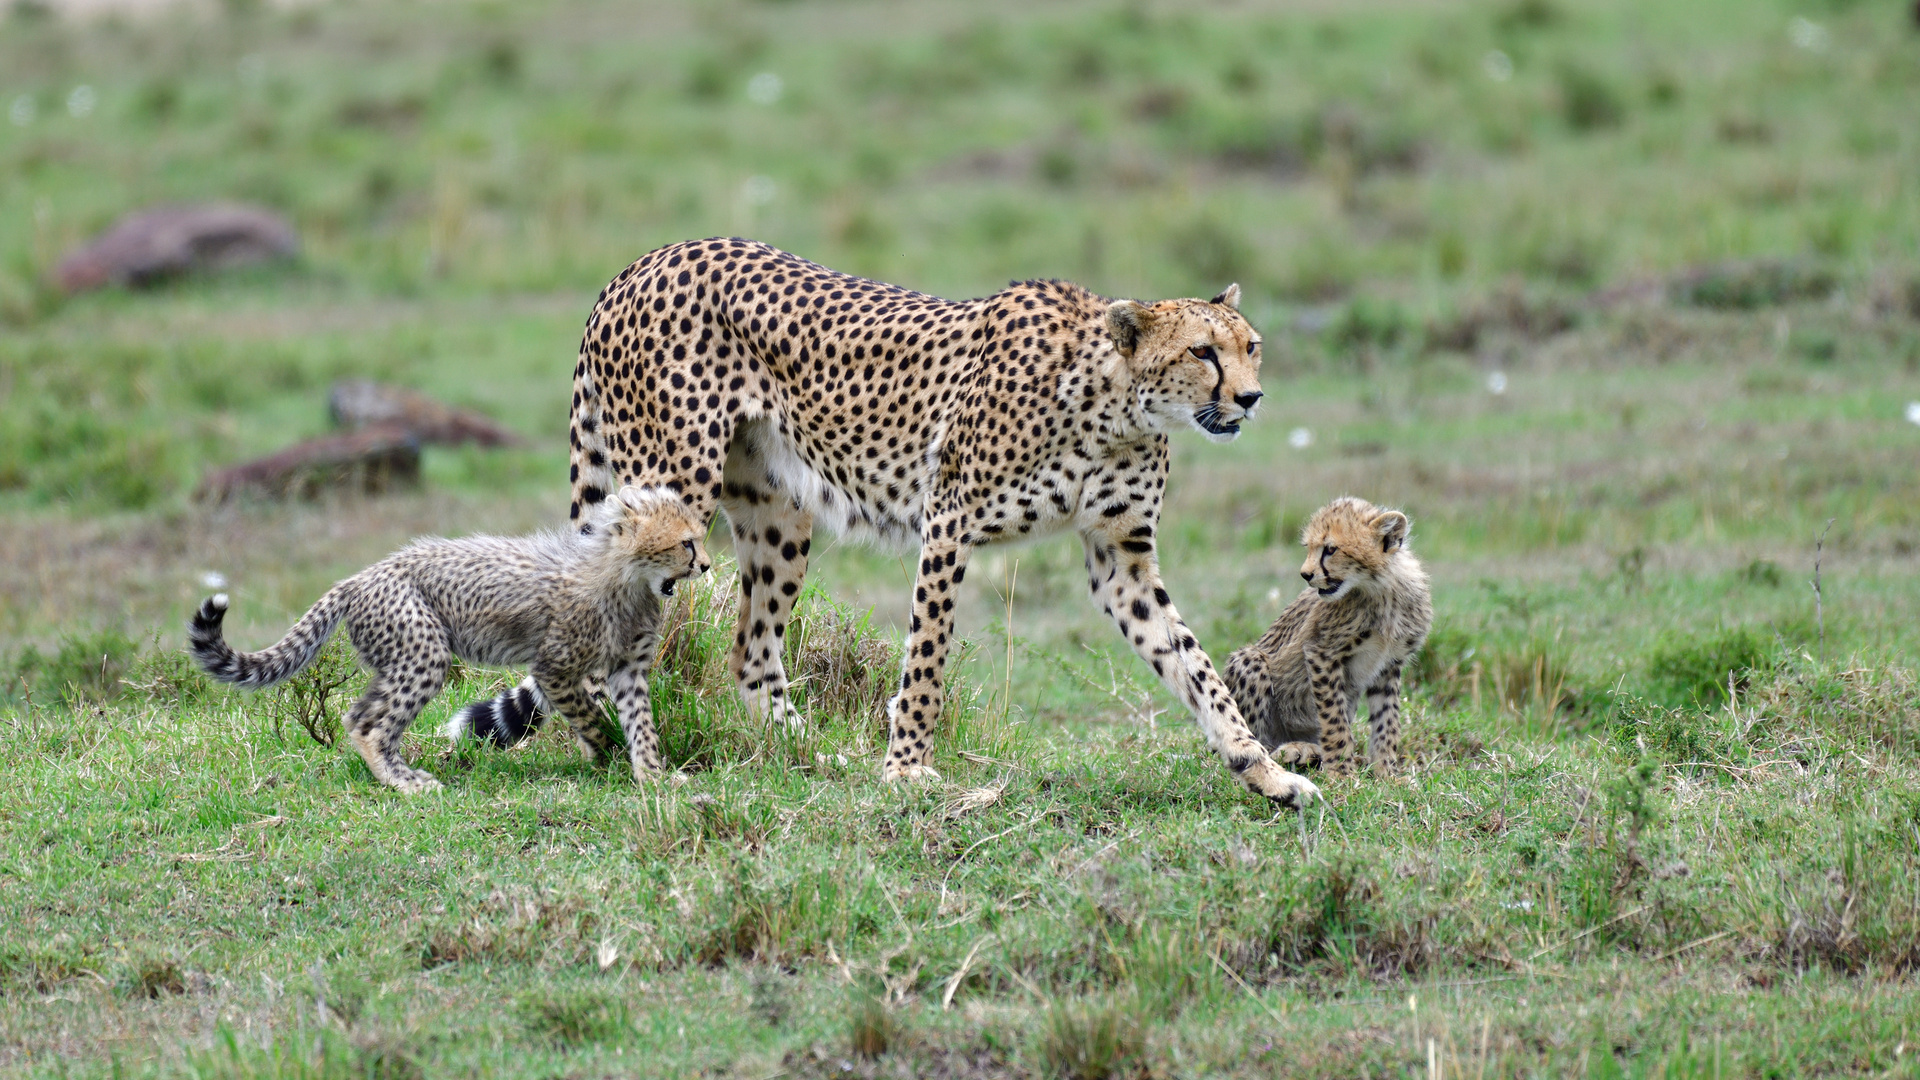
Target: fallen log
[372, 460]
[361, 403]
[149, 246]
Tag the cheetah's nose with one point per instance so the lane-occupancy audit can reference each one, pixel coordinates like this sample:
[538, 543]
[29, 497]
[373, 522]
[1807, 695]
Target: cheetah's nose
[1306, 575]
[1246, 399]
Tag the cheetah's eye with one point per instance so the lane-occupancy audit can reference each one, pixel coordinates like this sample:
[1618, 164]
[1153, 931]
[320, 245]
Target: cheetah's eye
[1328, 550]
[1202, 352]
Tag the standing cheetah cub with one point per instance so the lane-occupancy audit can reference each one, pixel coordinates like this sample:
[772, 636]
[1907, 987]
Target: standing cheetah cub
[575, 607]
[1365, 612]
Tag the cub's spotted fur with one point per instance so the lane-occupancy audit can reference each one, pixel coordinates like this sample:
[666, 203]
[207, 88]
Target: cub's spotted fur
[755, 382]
[573, 606]
[1365, 612]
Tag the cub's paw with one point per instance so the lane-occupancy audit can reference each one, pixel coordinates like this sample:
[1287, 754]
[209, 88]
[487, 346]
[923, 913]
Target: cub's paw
[1300, 755]
[1279, 785]
[415, 782]
[908, 774]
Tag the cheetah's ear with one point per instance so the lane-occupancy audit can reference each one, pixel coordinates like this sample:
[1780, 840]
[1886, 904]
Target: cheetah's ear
[1126, 321]
[1230, 296]
[1391, 525]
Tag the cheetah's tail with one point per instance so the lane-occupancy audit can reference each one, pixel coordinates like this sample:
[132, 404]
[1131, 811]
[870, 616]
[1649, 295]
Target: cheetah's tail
[503, 719]
[592, 475]
[275, 664]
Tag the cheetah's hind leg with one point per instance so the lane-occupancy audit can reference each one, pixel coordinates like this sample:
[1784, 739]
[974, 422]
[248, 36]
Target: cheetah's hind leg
[381, 716]
[771, 538]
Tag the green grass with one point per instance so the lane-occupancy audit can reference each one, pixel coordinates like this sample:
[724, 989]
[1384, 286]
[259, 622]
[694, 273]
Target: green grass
[1663, 819]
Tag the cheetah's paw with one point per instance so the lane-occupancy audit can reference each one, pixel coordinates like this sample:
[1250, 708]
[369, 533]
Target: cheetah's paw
[1297, 754]
[909, 774]
[415, 782]
[1287, 789]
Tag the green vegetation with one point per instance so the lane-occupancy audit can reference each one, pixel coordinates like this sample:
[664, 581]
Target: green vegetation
[1621, 304]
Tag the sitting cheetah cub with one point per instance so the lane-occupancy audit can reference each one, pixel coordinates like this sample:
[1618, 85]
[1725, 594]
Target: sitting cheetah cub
[1365, 612]
[571, 605]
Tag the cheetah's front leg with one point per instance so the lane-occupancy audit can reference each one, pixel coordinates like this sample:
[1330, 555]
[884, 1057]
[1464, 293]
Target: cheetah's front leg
[1383, 714]
[1124, 577]
[914, 712]
[1329, 683]
[634, 704]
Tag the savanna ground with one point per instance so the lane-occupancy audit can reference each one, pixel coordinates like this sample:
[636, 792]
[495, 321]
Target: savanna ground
[1621, 303]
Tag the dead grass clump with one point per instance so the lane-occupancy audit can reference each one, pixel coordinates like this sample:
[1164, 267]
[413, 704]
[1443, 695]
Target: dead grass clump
[872, 1027]
[1874, 710]
[842, 665]
[572, 1018]
[303, 1055]
[1091, 1040]
[1334, 921]
[156, 977]
[85, 669]
[516, 927]
[1509, 311]
[1863, 915]
[778, 920]
[1751, 285]
[39, 971]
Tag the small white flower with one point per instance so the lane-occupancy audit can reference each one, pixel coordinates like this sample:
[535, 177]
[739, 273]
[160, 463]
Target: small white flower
[765, 88]
[214, 579]
[1299, 438]
[1497, 65]
[759, 190]
[1273, 595]
[1913, 412]
[1496, 382]
[81, 101]
[22, 110]
[1807, 34]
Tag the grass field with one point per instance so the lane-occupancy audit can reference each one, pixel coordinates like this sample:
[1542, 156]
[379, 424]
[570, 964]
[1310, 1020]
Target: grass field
[1620, 302]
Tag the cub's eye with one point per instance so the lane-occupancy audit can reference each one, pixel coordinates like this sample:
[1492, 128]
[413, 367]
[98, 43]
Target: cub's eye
[1328, 550]
[1202, 352]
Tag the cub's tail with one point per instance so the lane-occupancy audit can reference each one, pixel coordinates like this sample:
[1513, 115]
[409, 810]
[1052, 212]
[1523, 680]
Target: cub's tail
[278, 663]
[504, 719]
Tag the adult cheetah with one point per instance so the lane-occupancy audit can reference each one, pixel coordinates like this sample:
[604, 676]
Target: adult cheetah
[790, 395]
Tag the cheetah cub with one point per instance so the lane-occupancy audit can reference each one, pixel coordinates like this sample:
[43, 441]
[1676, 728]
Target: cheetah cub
[570, 605]
[1365, 612]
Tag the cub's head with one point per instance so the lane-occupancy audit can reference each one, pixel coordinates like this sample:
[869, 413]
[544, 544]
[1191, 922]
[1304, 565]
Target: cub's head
[655, 535]
[1351, 544]
[1193, 361]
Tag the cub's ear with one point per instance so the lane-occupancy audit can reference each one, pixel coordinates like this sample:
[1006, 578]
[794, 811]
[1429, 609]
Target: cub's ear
[1126, 321]
[1230, 296]
[1391, 526]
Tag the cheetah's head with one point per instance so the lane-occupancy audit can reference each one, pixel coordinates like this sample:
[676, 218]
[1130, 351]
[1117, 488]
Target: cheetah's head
[1351, 544]
[1193, 361]
[659, 538]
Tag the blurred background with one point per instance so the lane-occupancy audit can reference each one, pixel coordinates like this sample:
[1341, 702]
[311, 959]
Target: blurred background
[1620, 301]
